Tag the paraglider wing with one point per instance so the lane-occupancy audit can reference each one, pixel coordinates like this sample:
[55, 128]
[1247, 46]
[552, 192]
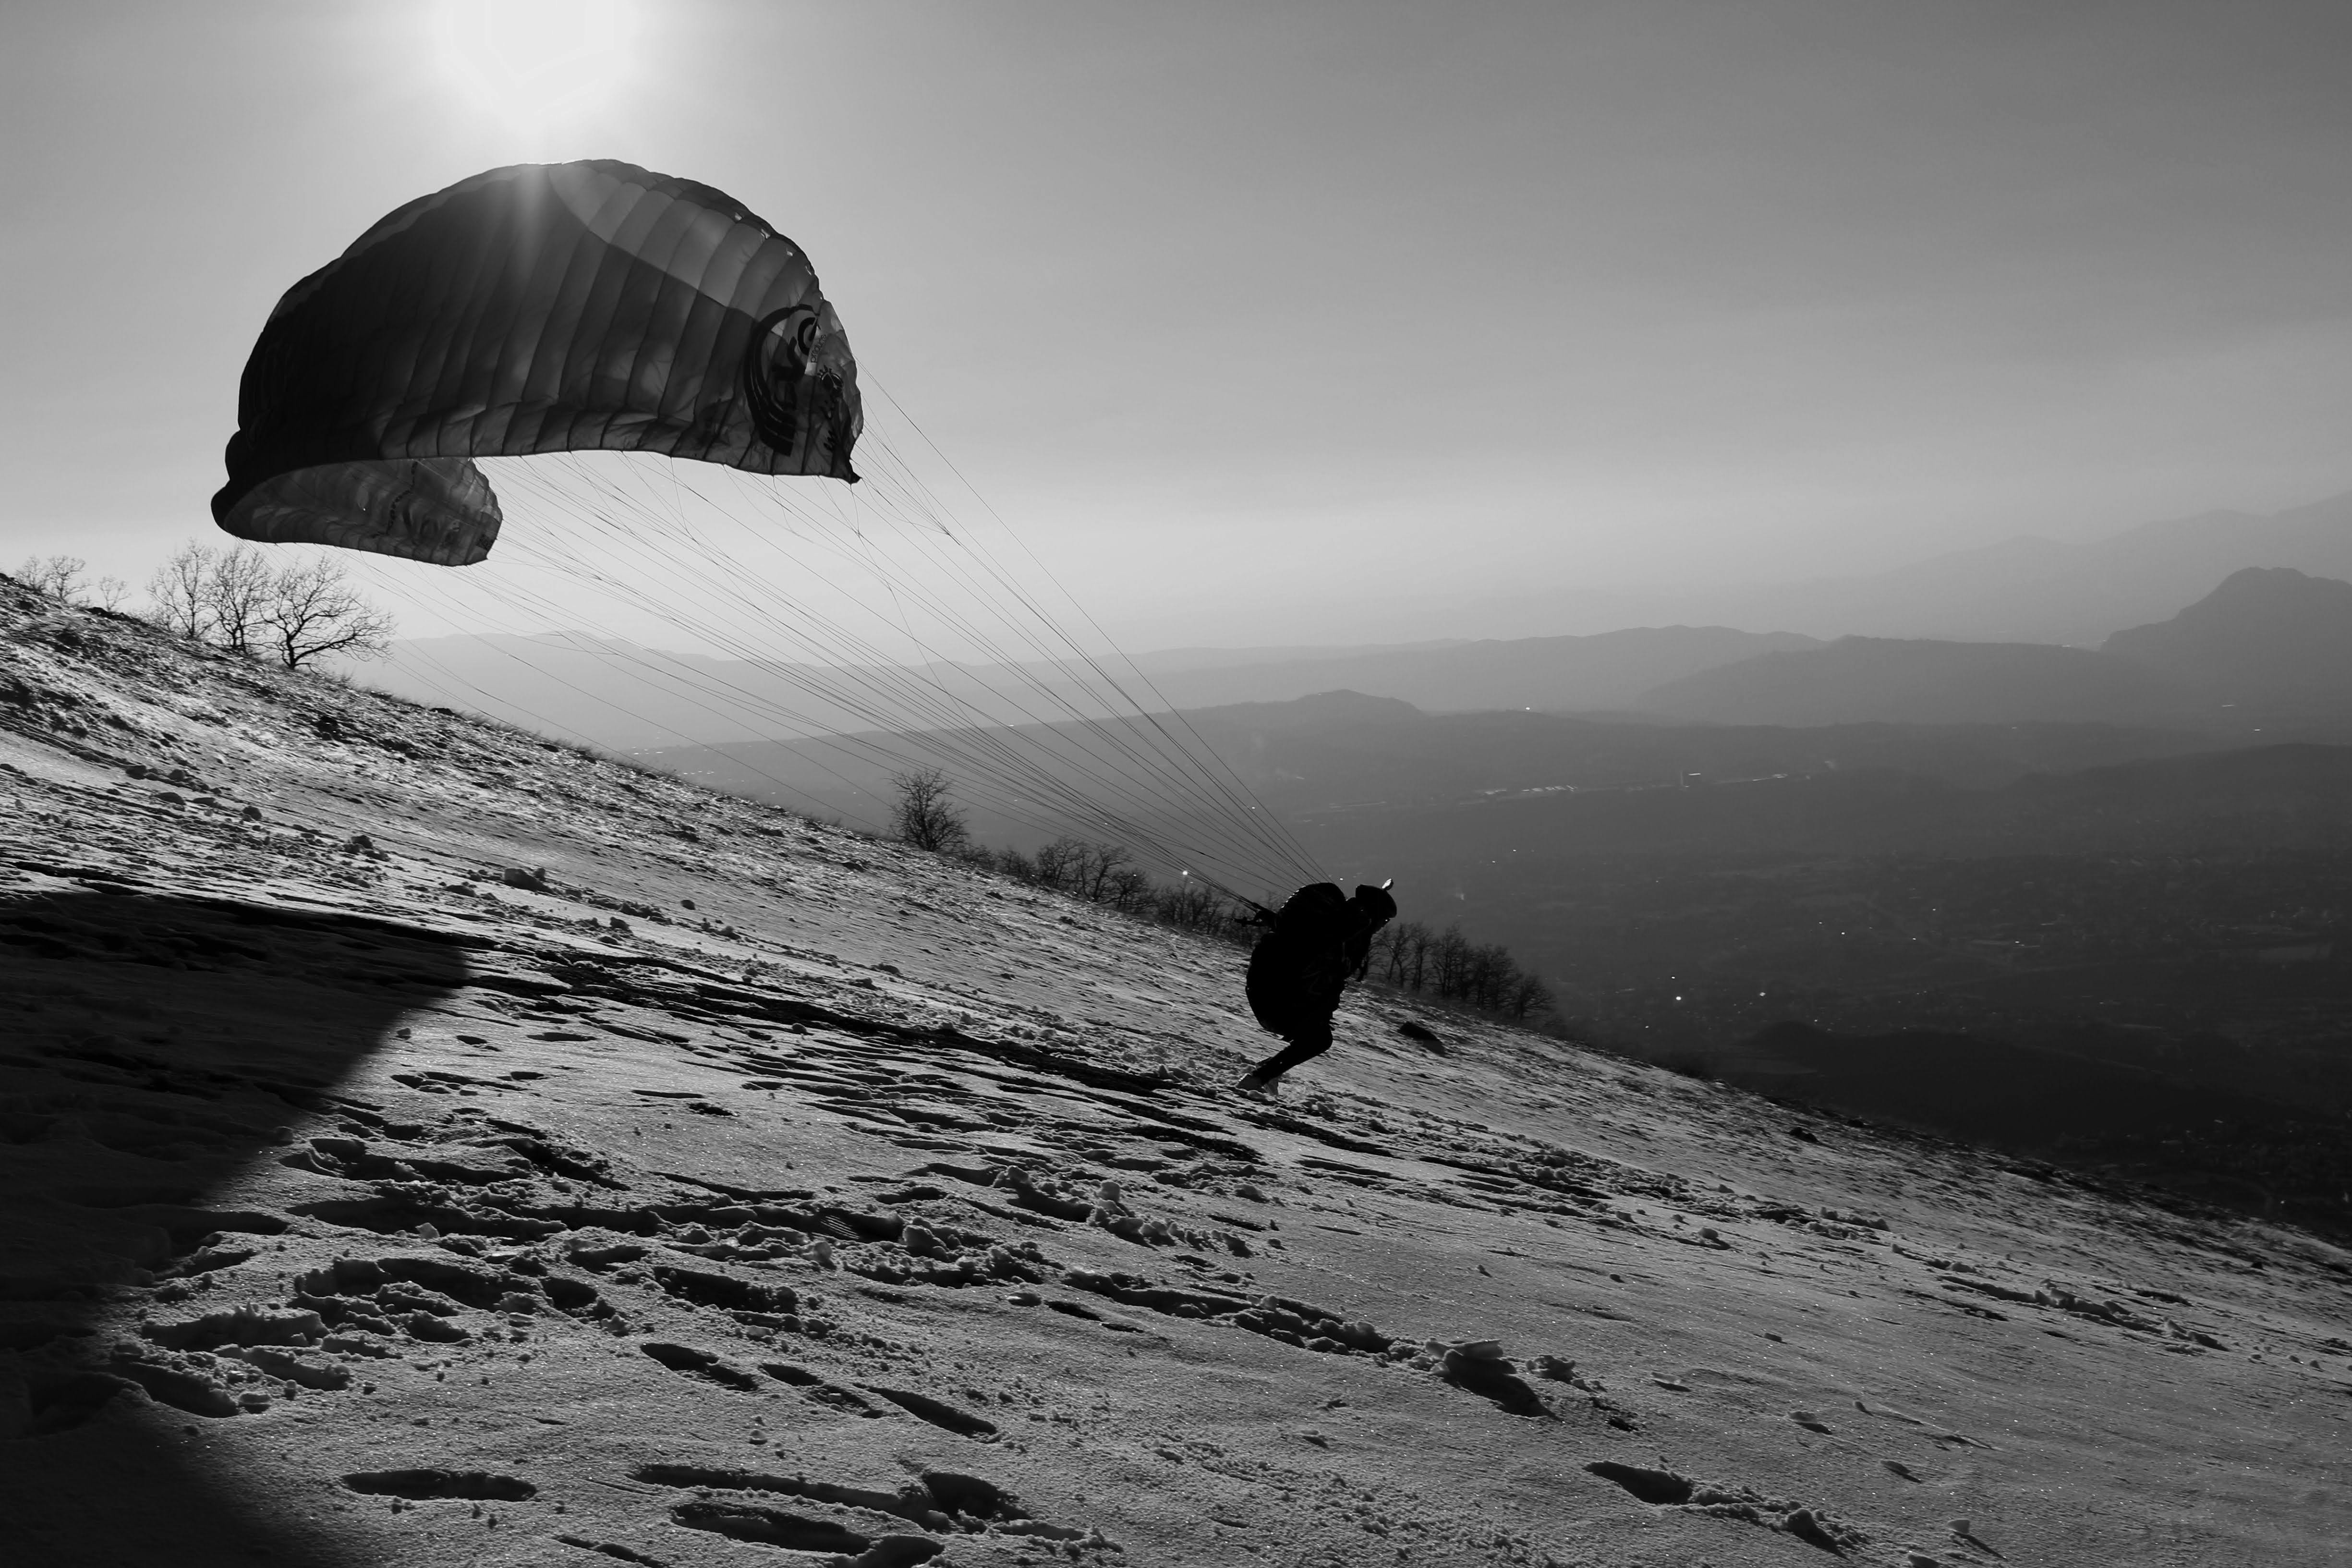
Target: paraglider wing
[542, 308]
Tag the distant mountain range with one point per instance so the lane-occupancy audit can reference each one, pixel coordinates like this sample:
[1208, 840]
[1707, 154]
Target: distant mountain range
[1861, 681]
[2269, 648]
[2000, 635]
[2274, 639]
[2023, 590]
[619, 695]
[1554, 675]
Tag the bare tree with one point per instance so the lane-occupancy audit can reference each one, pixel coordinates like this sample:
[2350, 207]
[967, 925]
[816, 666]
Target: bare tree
[1489, 975]
[927, 819]
[58, 577]
[1529, 994]
[236, 589]
[1065, 864]
[1414, 942]
[175, 594]
[1449, 959]
[1108, 859]
[311, 611]
[61, 577]
[1128, 889]
[1189, 906]
[234, 599]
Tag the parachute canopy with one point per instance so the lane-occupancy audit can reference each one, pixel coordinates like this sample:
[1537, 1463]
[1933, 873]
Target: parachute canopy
[541, 307]
[573, 330]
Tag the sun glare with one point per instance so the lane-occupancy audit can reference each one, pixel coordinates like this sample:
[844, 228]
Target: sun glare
[535, 62]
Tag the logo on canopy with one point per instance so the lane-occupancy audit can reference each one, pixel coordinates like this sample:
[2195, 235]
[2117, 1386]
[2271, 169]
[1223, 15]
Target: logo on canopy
[775, 363]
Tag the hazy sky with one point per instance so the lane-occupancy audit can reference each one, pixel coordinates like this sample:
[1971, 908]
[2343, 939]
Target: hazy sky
[1251, 315]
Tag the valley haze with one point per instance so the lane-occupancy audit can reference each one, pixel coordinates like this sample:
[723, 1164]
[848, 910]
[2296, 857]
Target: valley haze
[2122, 859]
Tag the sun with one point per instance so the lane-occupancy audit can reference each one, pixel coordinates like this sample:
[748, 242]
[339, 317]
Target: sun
[535, 62]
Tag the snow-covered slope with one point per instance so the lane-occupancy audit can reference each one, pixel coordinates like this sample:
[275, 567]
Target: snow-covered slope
[722, 1189]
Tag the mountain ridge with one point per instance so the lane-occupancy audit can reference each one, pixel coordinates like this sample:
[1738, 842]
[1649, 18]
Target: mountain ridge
[2027, 588]
[2271, 638]
[2267, 645]
[1865, 679]
[614, 693]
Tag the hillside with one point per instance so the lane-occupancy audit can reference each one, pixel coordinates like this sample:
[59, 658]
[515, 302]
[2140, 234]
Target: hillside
[425, 1145]
[2113, 902]
[2275, 640]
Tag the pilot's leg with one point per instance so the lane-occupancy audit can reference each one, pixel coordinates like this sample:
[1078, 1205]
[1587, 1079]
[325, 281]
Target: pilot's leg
[1309, 1037]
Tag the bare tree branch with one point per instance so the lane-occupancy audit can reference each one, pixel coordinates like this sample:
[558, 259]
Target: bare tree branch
[238, 583]
[234, 599]
[311, 611]
[58, 577]
[927, 819]
[176, 593]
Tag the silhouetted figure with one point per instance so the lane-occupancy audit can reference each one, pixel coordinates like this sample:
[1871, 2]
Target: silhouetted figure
[1319, 942]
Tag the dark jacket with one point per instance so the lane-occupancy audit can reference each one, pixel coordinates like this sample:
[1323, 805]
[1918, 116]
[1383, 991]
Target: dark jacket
[1318, 941]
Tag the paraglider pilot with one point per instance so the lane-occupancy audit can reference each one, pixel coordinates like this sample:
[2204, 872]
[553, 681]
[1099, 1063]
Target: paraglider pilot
[1318, 941]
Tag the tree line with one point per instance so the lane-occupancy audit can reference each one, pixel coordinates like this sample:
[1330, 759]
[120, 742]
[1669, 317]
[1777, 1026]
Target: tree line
[929, 818]
[236, 599]
[1407, 955]
[1450, 967]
